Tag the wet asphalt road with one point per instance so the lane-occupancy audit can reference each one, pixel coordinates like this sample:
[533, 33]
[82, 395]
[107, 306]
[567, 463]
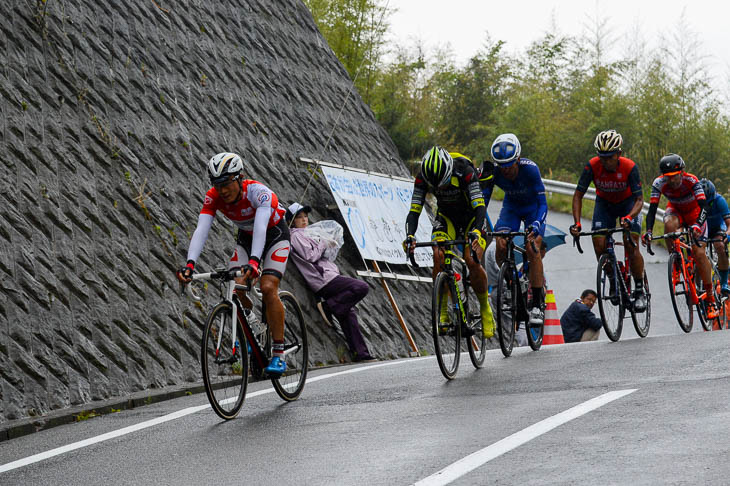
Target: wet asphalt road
[399, 422]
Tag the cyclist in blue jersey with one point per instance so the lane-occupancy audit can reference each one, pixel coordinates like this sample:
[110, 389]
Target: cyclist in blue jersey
[718, 225]
[524, 202]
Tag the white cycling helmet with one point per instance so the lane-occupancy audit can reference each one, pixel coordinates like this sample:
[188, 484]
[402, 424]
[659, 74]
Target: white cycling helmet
[608, 142]
[223, 165]
[506, 149]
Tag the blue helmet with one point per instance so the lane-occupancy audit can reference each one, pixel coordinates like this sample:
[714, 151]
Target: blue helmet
[709, 189]
[506, 149]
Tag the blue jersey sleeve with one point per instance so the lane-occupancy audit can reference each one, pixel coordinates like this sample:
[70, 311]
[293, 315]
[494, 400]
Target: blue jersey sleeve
[720, 208]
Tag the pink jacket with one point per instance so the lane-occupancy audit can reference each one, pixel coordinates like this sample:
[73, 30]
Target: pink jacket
[307, 256]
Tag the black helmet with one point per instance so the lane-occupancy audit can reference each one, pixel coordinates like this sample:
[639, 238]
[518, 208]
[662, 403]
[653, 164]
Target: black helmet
[671, 164]
[709, 189]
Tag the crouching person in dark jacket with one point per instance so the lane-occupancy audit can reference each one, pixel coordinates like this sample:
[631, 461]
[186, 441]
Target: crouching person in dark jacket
[578, 322]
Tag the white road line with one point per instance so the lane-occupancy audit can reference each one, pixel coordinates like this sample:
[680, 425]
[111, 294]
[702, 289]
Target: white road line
[173, 416]
[469, 463]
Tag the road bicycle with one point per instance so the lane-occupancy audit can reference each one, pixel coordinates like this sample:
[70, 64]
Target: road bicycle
[685, 287]
[513, 289]
[614, 294]
[461, 316]
[229, 354]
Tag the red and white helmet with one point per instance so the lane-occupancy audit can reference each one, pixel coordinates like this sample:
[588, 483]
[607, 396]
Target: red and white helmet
[223, 165]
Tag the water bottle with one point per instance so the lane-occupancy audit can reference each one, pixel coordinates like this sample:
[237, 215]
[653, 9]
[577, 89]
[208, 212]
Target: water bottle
[460, 284]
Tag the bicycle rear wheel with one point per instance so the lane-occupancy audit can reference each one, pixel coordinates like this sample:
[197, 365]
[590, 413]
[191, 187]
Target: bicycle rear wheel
[224, 362]
[506, 307]
[290, 385]
[679, 292]
[477, 344]
[610, 307]
[446, 326]
[642, 320]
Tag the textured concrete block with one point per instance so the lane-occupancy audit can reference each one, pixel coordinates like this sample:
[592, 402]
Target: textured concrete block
[104, 174]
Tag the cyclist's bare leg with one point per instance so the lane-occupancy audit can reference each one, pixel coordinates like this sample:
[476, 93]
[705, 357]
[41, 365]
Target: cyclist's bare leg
[599, 246]
[537, 279]
[722, 260]
[274, 307]
[477, 275]
[703, 265]
[671, 223]
[636, 261]
[501, 250]
[438, 260]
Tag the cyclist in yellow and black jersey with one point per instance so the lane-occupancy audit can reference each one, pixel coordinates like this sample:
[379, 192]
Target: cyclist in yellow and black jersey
[452, 178]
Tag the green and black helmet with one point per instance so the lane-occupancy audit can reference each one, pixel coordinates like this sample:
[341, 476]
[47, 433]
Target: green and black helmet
[436, 166]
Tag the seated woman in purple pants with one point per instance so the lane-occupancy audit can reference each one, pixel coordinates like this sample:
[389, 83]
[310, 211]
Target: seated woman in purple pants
[338, 294]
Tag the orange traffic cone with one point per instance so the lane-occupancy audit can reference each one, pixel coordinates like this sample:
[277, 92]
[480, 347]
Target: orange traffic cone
[553, 331]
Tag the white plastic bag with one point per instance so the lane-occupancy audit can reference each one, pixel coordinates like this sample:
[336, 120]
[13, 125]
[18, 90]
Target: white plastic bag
[331, 233]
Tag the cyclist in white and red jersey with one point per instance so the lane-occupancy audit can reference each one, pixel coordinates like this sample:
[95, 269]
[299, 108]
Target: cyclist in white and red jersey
[687, 207]
[618, 196]
[262, 244]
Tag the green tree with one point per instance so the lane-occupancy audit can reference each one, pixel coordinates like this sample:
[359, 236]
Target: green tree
[355, 30]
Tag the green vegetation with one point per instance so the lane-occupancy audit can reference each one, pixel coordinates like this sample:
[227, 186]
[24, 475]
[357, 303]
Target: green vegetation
[555, 96]
[85, 415]
[236, 368]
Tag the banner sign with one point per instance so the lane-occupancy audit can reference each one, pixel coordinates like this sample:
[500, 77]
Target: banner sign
[375, 210]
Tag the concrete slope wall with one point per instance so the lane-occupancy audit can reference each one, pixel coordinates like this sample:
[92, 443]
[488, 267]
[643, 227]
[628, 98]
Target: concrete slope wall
[108, 112]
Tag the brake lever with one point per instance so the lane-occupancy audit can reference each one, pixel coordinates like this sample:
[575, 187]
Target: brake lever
[576, 243]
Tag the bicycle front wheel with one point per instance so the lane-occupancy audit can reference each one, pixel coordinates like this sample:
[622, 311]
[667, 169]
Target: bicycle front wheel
[224, 362]
[506, 308]
[477, 344]
[680, 293]
[296, 352]
[445, 325]
[707, 323]
[610, 305]
[642, 320]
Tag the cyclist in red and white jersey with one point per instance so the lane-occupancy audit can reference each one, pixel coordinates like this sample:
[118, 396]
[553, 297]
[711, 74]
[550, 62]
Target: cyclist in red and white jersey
[618, 196]
[687, 207]
[262, 244]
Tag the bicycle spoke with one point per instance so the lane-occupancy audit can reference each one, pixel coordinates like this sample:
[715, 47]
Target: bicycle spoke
[224, 363]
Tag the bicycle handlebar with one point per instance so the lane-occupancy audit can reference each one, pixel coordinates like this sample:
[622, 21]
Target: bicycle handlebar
[222, 275]
[603, 232]
[513, 234]
[673, 234]
[441, 244]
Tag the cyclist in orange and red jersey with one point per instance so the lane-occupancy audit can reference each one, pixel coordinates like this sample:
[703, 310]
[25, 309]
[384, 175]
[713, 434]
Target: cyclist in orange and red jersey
[618, 196]
[262, 242]
[687, 207]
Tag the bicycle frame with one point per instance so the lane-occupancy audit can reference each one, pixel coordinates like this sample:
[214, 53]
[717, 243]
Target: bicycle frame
[622, 268]
[229, 295]
[687, 262]
[510, 259]
[448, 268]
